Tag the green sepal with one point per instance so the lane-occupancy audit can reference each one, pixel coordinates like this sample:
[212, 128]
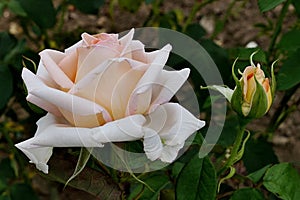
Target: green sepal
[237, 96]
[223, 89]
[259, 102]
[273, 80]
[84, 156]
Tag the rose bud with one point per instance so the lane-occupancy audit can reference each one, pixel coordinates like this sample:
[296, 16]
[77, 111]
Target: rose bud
[253, 94]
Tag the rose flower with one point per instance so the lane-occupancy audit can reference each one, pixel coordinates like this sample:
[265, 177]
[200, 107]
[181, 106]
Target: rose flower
[105, 89]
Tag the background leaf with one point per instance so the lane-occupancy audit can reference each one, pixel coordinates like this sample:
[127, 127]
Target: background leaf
[197, 180]
[156, 181]
[257, 175]
[247, 194]
[21, 191]
[288, 75]
[91, 7]
[6, 86]
[89, 180]
[258, 153]
[283, 180]
[265, 5]
[290, 41]
[41, 12]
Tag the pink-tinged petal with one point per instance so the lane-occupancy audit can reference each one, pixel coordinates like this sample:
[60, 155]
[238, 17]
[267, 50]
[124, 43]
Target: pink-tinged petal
[125, 42]
[104, 39]
[122, 91]
[98, 87]
[74, 47]
[43, 104]
[90, 58]
[50, 59]
[43, 74]
[136, 51]
[174, 124]
[69, 65]
[141, 97]
[66, 101]
[167, 84]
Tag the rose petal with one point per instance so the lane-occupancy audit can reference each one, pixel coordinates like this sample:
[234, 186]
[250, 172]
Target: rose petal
[69, 102]
[69, 65]
[153, 146]
[141, 97]
[167, 84]
[43, 74]
[174, 124]
[38, 155]
[55, 132]
[60, 134]
[50, 58]
[43, 104]
[90, 58]
[169, 153]
[122, 91]
[125, 42]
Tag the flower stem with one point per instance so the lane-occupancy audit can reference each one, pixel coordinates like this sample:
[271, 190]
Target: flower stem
[235, 149]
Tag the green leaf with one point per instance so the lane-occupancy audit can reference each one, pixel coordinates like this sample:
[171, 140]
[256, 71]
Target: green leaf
[41, 12]
[84, 157]
[21, 191]
[290, 41]
[2, 6]
[265, 5]
[6, 86]
[258, 153]
[195, 31]
[16, 8]
[7, 43]
[5, 196]
[244, 54]
[288, 75]
[6, 171]
[197, 180]
[283, 180]
[2, 185]
[257, 175]
[296, 4]
[247, 194]
[130, 5]
[89, 180]
[229, 131]
[157, 182]
[91, 7]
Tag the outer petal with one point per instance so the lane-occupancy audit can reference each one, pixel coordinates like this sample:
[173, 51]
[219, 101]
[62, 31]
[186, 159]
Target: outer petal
[66, 101]
[38, 155]
[167, 84]
[174, 124]
[55, 132]
[43, 104]
[50, 59]
[141, 97]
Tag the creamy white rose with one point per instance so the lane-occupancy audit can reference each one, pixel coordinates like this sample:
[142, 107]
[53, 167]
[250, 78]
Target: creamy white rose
[105, 89]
